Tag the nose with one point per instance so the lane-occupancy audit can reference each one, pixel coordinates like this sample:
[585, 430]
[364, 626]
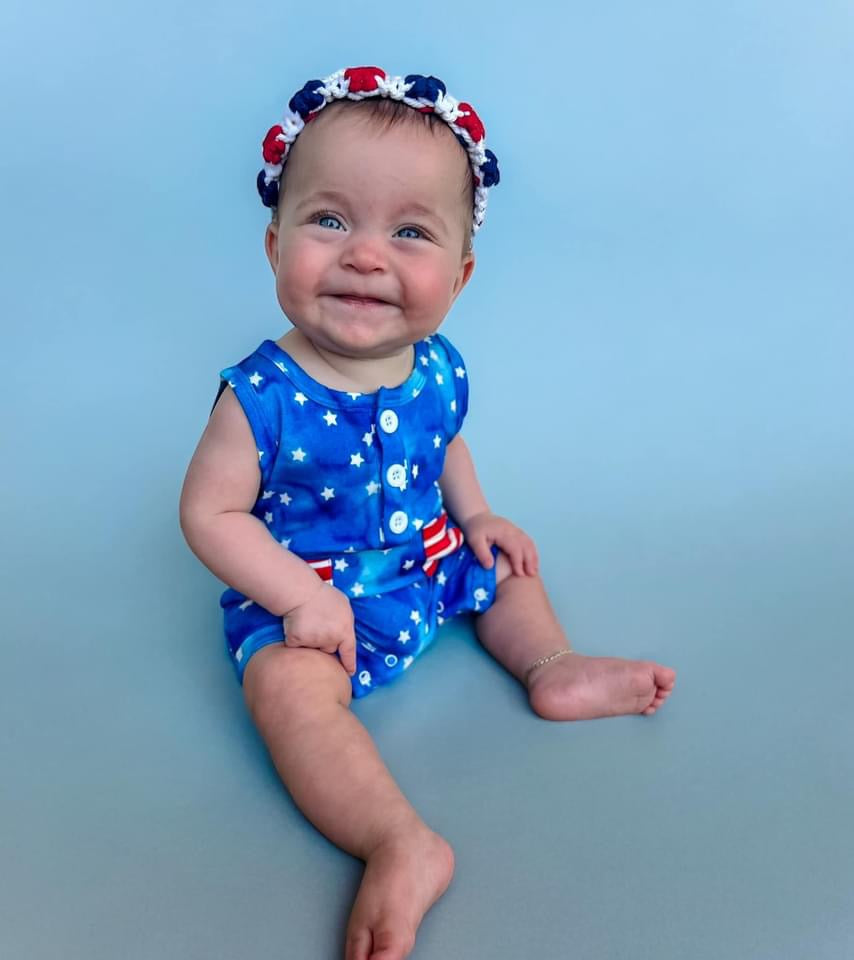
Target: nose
[364, 252]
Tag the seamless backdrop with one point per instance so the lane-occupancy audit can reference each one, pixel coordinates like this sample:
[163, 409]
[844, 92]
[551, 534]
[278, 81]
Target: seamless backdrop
[659, 340]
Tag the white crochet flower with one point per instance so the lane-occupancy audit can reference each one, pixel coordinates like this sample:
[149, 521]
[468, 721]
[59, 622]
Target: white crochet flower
[447, 107]
[292, 124]
[336, 85]
[393, 86]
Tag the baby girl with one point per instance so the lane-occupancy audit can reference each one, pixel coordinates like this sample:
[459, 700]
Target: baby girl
[334, 494]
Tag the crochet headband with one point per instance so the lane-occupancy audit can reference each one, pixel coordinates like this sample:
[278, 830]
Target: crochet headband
[425, 94]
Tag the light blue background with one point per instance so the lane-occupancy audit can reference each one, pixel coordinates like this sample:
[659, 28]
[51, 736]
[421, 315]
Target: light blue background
[659, 338]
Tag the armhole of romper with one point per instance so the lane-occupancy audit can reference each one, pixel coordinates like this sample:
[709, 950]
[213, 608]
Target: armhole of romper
[253, 410]
[219, 393]
[461, 384]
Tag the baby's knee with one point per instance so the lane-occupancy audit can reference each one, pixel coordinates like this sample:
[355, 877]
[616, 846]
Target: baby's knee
[278, 677]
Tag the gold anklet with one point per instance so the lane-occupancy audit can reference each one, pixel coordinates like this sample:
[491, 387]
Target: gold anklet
[543, 661]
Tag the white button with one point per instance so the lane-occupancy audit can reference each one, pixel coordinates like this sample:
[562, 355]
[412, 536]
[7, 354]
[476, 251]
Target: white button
[396, 476]
[388, 421]
[398, 522]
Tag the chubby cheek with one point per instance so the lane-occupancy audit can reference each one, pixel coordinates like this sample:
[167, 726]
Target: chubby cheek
[429, 292]
[296, 277]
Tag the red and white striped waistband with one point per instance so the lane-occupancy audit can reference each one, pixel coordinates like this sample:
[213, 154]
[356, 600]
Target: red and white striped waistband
[439, 540]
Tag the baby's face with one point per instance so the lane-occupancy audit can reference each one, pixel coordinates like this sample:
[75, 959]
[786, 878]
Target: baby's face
[369, 248]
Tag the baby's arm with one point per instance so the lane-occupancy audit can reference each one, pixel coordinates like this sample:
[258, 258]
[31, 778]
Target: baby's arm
[220, 489]
[461, 490]
[464, 499]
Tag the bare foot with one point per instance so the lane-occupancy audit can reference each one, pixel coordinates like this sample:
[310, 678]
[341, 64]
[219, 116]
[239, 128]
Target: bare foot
[576, 687]
[403, 878]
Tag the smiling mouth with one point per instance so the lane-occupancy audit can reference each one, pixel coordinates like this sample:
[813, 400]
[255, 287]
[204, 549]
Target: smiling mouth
[361, 301]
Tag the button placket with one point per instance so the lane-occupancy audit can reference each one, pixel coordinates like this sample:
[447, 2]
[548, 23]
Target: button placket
[394, 472]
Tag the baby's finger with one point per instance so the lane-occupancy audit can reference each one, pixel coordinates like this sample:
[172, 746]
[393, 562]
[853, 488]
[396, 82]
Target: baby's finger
[480, 546]
[517, 559]
[347, 653]
[532, 562]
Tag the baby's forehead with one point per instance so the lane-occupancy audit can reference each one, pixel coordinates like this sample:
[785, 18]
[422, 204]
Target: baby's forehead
[344, 138]
[364, 123]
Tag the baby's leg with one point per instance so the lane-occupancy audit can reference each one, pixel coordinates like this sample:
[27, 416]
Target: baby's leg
[521, 627]
[299, 700]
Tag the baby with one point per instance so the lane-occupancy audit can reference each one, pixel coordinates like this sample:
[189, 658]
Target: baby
[333, 492]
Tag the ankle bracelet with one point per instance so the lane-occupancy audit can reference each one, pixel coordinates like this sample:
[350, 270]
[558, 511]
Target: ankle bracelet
[543, 661]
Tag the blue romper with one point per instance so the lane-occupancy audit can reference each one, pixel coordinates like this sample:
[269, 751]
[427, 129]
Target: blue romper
[349, 482]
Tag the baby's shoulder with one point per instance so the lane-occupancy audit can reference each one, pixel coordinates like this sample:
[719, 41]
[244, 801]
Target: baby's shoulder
[443, 351]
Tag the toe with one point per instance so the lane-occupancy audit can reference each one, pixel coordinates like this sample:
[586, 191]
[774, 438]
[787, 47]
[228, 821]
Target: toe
[391, 945]
[358, 945]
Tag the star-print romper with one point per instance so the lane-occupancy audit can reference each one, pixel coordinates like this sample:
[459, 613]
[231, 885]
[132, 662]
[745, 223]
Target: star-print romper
[349, 482]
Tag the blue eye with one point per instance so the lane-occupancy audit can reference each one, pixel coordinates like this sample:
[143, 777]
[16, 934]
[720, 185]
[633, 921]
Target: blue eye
[327, 220]
[414, 233]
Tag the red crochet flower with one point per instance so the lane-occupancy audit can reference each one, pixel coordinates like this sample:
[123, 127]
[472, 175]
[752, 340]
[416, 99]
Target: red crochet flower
[363, 79]
[471, 123]
[274, 149]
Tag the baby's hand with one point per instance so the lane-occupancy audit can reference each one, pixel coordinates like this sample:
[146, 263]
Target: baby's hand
[323, 622]
[485, 529]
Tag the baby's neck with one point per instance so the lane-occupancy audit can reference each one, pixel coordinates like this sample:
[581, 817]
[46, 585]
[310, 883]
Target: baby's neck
[352, 374]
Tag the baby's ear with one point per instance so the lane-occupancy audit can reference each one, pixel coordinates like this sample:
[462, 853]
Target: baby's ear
[271, 244]
[465, 272]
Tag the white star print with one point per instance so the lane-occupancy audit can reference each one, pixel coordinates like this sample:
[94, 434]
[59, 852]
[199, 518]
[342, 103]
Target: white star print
[260, 454]
[281, 366]
[425, 361]
[298, 454]
[350, 550]
[440, 620]
[441, 578]
[454, 406]
[246, 604]
[356, 459]
[255, 379]
[357, 589]
[300, 398]
[353, 395]
[368, 439]
[418, 524]
[286, 543]
[407, 661]
[408, 564]
[341, 564]
[368, 646]
[414, 471]
[285, 498]
[372, 488]
[459, 372]
[403, 636]
[267, 494]
[434, 355]
[328, 493]
[268, 517]
[415, 393]
[437, 441]
[440, 379]
[331, 419]
[415, 617]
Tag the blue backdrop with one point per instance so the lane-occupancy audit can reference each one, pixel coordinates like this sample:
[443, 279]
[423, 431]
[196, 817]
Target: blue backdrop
[666, 270]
